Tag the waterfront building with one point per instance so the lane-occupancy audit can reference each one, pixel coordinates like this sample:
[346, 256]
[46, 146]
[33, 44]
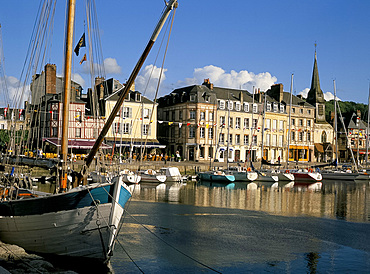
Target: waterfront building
[300, 125]
[135, 125]
[46, 114]
[323, 131]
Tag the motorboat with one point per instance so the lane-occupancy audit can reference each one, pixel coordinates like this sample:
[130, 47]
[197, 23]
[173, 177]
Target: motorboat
[172, 173]
[152, 176]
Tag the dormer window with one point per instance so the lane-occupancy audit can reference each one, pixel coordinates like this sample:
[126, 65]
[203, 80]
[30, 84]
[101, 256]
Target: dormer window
[192, 97]
[138, 97]
[255, 108]
[275, 107]
[282, 108]
[268, 107]
[221, 104]
[229, 105]
[237, 106]
[246, 107]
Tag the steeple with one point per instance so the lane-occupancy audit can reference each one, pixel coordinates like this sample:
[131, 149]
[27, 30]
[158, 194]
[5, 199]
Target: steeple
[315, 95]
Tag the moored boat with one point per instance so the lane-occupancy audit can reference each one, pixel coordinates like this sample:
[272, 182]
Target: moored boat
[217, 176]
[306, 175]
[130, 177]
[151, 176]
[242, 174]
[172, 173]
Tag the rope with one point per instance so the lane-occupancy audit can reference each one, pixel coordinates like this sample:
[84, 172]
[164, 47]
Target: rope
[15, 255]
[173, 247]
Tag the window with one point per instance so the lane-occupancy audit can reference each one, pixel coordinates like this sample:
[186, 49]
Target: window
[192, 97]
[191, 132]
[54, 131]
[138, 97]
[192, 114]
[300, 122]
[268, 137]
[268, 107]
[126, 128]
[221, 104]
[293, 110]
[246, 139]
[202, 132]
[237, 106]
[281, 125]
[308, 136]
[237, 139]
[210, 116]
[300, 136]
[281, 140]
[309, 111]
[201, 152]
[275, 107]
[321, 110]
[229, 105]
[246, 123]
[282, 108]
[230, 122]
[237, 122]
[268, 124]
[274, 140]
[146, 113]
[254, 140]
[116, 128]
[246, 107]
[255, 121]
[78, 132]
[210, 133]
[274, 124]
[78, 116]
[202, 116]
[180, 132]
[54, 115]
[308, 123]
[180, 114]
[222, 121]
[301, 110]
[255, 108]
[222, 138]
[230, 139]
[210, 152]
[146, 129]
[293, 136]
[127, 112]
[293, 122]
[323, 137]
[173, 115]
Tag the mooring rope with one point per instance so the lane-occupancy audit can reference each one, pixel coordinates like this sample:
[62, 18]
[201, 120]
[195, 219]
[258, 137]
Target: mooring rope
[15, 255]
[175, 248]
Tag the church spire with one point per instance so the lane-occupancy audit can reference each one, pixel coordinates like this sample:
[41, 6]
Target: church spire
[315, 95]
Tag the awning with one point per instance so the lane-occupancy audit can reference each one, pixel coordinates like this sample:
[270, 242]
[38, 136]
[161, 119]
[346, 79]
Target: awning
[76, 143]
[319, 148]
[149, 144]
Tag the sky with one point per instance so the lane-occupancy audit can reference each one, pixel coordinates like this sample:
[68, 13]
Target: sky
[236, 44]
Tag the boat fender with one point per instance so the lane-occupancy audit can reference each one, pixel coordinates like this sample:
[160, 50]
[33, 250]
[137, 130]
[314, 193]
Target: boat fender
[287, 171]
[310, 170]
[249, 169]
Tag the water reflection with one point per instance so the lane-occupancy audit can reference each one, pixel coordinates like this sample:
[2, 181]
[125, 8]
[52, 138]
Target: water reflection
[341, 200]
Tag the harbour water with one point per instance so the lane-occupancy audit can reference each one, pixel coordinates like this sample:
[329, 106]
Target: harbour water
[239, 228]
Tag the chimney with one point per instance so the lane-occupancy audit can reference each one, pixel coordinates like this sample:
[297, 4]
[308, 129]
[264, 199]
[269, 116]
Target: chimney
[241, 98]
[98, 80]
[277, 92]
[208, 84]
[50, 78]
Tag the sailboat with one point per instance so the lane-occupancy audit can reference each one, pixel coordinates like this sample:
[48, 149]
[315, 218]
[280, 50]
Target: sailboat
[82, 222]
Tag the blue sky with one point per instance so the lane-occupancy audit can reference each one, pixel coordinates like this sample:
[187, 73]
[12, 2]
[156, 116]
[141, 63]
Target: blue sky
[234, 43]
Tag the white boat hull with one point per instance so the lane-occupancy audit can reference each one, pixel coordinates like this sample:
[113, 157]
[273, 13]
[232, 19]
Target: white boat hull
[88, 231]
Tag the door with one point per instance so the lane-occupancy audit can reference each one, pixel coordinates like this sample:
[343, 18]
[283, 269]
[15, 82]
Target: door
[191, 153]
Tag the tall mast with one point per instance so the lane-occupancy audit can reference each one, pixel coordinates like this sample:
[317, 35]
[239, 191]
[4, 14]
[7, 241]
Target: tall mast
[170, 5]
[367, 128]
[289, 120]
[263, 126]
[67, 91]
[335, 122]
[228, 129]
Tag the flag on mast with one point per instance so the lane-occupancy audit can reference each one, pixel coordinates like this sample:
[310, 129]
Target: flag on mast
[81, 43]
[83, 59]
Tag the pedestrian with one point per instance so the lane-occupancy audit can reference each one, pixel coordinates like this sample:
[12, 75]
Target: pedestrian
[279, 160]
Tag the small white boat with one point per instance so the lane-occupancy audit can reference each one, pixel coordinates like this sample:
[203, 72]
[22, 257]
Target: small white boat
[130, 177]
[306, 175]
[266, 176]
[343, 175]
[172, 173]
[217, 176]
[151, 176]
[242, 174]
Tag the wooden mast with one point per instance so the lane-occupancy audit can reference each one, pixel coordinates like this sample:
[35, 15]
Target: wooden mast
[170, 5]
[67, 91]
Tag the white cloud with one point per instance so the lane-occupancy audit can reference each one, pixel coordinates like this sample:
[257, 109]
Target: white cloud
[151, 73]
[327, 95]
[110, 66]
[234, 79]
[14, 92]
[78, 79]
